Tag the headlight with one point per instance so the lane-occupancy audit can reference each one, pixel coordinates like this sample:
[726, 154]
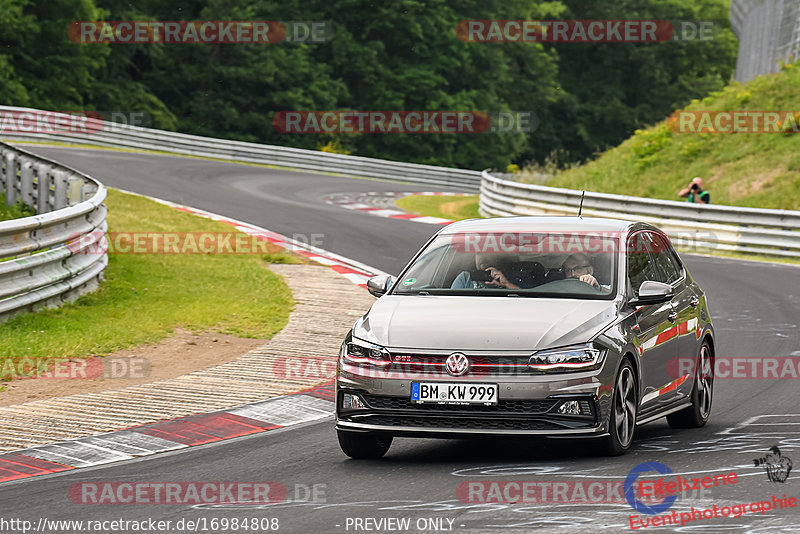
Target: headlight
[574, 358]
[359, 352]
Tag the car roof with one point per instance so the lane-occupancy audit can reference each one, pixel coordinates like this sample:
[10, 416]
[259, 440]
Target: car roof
[542, 224]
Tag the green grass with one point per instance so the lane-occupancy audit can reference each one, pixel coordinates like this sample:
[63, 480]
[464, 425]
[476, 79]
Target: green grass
[17, 211]
[146, 296]
[743, 169]
[446, 206]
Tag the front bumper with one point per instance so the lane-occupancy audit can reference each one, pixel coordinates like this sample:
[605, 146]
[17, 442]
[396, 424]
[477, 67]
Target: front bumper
[526, 406]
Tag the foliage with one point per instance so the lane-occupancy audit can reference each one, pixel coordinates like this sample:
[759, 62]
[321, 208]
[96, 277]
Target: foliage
[613, 89]
[380, 56]
[648, 143]
[16, 211]
[333, 147]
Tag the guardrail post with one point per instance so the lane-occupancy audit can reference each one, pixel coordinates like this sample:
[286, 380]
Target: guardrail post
[60, 184]
[26, 194]
[2, 169]
[75, 190]
[43, 176]
[11, 179]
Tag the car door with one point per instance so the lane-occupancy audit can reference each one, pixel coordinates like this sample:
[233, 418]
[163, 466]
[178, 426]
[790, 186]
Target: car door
[685, 304]
[654, 330]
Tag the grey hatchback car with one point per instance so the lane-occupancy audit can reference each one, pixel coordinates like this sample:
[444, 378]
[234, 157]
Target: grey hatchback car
[553, 326]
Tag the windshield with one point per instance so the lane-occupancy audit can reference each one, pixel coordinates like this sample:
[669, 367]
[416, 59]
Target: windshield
[560, 265]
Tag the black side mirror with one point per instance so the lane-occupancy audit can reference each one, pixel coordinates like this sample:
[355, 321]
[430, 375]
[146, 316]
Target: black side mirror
[652, 292]
[379, 285]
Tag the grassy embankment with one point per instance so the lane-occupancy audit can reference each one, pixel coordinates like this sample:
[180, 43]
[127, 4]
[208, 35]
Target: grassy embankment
[738, 169]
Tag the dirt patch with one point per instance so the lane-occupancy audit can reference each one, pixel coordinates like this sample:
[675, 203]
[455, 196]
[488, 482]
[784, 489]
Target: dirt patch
[453, 208]
[179, 354]
[754, 184]
[719, 172]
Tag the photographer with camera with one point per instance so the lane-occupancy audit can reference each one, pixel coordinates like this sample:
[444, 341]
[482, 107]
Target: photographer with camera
[695, 192]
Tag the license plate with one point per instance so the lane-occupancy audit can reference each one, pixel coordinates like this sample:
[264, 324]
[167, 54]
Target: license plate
[463, 394]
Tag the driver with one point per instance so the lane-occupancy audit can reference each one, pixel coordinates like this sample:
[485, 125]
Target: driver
[488, 263]
[578, 266]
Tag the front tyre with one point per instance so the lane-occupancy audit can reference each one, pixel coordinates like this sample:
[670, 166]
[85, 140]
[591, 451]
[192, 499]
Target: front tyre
[696, 415]
[363, 445]
[622, 419]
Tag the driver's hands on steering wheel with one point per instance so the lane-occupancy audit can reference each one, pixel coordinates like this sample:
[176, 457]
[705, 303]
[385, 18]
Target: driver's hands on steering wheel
[499, 279]
[589, 279]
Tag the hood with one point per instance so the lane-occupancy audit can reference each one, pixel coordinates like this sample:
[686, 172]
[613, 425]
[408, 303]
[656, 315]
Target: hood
[482, 323]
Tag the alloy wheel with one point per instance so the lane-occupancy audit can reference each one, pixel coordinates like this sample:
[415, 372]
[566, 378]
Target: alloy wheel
[705, 382]
[625, 407]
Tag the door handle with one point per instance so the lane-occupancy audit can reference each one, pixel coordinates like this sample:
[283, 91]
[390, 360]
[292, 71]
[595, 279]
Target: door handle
[672, 316]
[694, 302]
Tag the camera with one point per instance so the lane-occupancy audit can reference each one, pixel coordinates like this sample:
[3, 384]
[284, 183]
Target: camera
[695, 187]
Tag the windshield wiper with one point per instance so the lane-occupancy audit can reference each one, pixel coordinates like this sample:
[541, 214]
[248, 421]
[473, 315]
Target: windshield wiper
[464, 292]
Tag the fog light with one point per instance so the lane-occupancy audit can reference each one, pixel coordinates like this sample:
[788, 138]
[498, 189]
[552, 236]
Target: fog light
[570, 408]
[352, 402]
[575, 407]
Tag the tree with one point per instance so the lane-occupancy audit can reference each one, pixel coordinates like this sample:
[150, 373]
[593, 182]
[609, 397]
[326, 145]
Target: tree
[611, 89]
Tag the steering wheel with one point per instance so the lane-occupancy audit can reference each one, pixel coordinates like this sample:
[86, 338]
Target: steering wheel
[568, 285]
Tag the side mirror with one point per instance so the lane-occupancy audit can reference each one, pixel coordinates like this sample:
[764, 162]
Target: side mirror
[379, 285]
[652, 292]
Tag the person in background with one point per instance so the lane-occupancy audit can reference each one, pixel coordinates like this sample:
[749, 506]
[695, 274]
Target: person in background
[695, 193]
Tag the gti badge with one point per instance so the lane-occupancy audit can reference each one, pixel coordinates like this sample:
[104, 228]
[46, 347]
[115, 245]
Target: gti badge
[457, 364]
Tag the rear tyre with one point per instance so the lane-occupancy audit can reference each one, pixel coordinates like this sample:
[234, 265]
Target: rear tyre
[622, 419]
[696, 415]
[362, 445]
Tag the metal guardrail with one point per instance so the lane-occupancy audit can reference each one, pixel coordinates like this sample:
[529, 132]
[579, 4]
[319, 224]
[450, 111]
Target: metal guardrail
[123, 136]
[762, 231]
[693, 226]
[42, 263]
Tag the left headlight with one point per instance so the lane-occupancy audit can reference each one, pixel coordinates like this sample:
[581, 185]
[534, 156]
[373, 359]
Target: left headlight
[572, 358]
[358, 352]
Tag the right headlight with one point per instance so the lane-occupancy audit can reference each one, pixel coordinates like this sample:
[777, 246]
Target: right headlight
[572, 358]
[362, 353]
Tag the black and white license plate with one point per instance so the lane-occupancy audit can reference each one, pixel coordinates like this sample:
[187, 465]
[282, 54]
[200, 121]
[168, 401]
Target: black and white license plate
[444, 393]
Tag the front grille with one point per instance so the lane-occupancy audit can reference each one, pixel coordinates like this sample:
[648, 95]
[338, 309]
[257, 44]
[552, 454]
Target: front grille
[459, 423]
[510, 407]
[434, 365]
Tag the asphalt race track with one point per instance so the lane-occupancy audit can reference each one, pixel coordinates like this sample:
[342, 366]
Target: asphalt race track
[754, 307]
[285, 202]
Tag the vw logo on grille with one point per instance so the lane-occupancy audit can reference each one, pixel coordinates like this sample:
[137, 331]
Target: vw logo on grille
[457, 364]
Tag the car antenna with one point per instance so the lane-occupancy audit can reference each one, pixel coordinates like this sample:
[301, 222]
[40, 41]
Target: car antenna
[580, 208]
